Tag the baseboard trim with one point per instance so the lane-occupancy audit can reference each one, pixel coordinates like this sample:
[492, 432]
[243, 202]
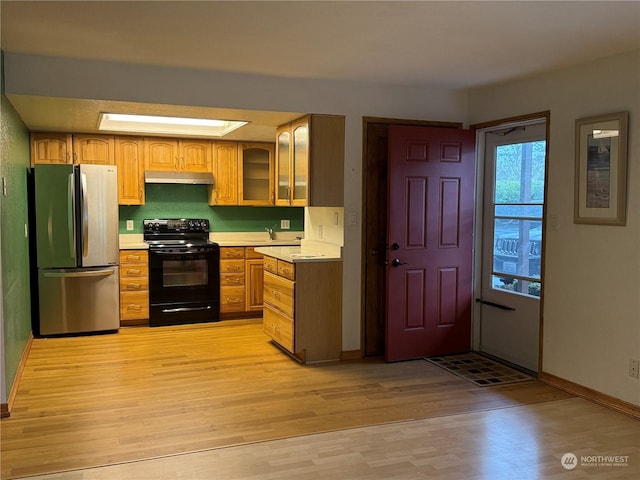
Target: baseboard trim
[350, 355]
[592, 395]
[5, 408]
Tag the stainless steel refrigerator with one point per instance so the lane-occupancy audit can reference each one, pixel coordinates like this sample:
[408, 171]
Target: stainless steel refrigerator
[76, 213]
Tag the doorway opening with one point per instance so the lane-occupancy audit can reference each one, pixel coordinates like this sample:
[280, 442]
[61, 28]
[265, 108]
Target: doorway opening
[510, 241]
[374, 221]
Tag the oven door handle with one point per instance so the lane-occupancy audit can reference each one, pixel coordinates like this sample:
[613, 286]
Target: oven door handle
[185, 309]
[186, 252]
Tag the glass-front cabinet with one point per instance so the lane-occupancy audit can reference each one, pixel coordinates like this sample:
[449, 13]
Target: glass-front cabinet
[300, 155]
[283, 148]
[292, 159]
[256, 173]
[310, 162]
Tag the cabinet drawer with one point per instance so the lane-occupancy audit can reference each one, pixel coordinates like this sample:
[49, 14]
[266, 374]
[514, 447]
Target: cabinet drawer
[278, 292]
[127, 256]
[231, 252]
[231, 299]
[286, 269]
[270, 265]
[279, 327]
[232, 266]
[134, 305]
[134, 270]
[232, 279]
[134, 284]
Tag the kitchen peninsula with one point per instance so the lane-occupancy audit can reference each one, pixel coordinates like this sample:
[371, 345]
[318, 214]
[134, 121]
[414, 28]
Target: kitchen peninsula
[302, 311]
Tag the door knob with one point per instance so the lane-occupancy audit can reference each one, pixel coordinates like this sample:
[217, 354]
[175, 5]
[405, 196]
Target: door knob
[396, 262]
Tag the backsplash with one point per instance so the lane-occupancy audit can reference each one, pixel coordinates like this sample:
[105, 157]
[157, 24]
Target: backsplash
[190, 201]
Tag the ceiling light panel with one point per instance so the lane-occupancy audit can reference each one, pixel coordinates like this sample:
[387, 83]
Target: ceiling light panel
[118, 122]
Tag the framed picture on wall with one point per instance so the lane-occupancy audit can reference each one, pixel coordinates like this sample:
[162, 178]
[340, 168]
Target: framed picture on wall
[601, 169]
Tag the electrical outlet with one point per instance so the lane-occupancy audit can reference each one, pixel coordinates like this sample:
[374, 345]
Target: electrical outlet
[634, 368]
[129, 224]
[320, 232]
[285, 224]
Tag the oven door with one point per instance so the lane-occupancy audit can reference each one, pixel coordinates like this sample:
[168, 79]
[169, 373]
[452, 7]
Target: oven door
[184, 285]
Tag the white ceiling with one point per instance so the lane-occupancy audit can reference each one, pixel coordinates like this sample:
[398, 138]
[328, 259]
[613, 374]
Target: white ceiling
[421, 43]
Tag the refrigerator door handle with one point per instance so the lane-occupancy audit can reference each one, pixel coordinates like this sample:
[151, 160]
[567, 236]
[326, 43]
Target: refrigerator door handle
[85, 214]
[91, 273]
[71, 215]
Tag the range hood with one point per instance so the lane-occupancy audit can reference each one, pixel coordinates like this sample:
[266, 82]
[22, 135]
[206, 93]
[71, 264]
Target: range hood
[195, 178]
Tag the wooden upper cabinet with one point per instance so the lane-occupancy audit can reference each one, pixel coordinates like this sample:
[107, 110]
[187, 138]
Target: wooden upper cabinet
[195, 155]
[255, 173]
[51, 148]
[94, 149]
[129, 153]
[300, 162]
[310, 162]
[161, 154]
[283, 165]
[224, 190]
[174, 155]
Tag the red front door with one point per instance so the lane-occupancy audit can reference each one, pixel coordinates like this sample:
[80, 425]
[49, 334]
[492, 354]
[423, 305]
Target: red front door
[430, 238]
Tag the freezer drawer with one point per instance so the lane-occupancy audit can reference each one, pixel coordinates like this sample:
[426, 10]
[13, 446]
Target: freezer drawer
[78, 300]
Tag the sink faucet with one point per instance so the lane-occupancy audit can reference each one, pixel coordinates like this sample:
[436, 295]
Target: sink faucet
[271, 232]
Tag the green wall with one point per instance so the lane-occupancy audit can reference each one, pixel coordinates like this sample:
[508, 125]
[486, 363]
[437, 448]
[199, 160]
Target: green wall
[16, 297]
[190, 201]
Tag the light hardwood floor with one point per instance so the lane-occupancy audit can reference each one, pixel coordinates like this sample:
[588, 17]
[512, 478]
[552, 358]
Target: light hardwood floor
[167, 392]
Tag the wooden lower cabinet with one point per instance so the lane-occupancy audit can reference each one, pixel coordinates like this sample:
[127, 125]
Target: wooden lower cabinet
[253, 271]
[303, 308]
[240, 282]
[279, 327]
[134, 287]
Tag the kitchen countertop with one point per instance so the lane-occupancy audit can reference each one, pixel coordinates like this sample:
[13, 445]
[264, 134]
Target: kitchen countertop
[308, 251]
[135, 241]
[132, 241]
